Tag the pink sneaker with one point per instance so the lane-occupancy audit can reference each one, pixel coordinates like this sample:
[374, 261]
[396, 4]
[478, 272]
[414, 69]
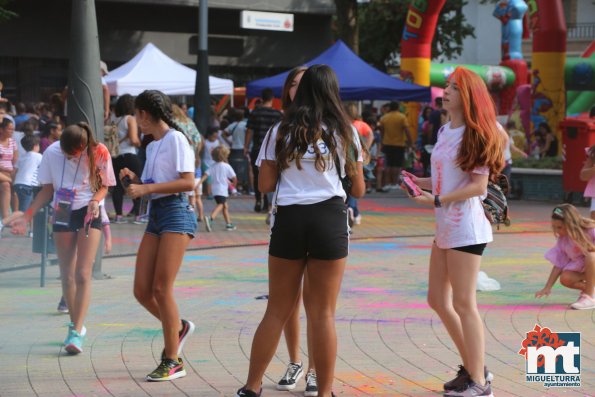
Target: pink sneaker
[584, 302]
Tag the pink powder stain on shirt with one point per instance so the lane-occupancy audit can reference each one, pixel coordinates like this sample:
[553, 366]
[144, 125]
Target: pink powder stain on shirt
[439, 177]
[456, 215]
[103, 163]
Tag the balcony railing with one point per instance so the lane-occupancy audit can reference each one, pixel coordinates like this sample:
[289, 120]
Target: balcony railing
[580, 31]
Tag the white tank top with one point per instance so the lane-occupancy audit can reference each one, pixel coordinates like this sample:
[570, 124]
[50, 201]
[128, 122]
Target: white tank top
[125, 145]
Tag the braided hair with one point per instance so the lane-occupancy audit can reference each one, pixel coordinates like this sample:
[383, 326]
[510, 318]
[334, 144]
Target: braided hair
[158, 105]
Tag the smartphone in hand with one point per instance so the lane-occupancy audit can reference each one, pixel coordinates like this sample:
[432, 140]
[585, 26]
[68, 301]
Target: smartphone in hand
[411, 187]
[126, 181]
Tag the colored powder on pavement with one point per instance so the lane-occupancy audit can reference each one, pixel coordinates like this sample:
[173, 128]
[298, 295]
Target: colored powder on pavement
[32, 292]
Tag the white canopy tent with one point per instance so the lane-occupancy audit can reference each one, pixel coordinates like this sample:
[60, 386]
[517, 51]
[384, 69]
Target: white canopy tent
[151, 69]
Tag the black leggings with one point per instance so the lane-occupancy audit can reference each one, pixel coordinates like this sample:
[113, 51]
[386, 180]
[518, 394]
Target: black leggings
[132, 162]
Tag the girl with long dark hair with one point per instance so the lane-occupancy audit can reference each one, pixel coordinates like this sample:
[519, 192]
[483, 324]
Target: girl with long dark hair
[309, 228]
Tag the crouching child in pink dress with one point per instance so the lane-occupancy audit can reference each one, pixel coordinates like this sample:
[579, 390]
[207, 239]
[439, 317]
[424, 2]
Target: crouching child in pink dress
[573, 256]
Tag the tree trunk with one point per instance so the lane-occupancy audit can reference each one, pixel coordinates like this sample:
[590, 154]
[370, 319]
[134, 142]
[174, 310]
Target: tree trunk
[347, 27]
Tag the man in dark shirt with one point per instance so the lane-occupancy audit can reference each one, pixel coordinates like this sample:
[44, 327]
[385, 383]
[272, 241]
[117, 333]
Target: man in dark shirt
[260, 121]
[434, 119]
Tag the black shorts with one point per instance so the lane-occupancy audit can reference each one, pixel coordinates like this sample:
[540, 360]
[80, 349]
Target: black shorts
[318, 231]
[476, 249]
[394, 155]
[77, 222]
[220, 199]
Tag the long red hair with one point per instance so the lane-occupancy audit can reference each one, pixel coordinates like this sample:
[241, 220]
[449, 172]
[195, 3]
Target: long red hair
[483, 143]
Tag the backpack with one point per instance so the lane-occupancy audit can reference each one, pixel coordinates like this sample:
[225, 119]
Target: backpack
[495, 205]
[110, 137]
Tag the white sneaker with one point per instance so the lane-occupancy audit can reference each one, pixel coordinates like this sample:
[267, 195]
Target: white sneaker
[293, 374]
[208, 225]
[311, 385]
[584, 302]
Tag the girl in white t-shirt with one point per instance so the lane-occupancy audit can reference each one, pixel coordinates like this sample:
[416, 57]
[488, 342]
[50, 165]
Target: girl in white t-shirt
[309, 229]
[291, 331]
[76, 172]
[167, 177]
[469, 149]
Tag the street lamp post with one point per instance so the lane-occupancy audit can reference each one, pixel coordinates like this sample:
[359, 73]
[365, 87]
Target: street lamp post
[202, 101]
[85, 95]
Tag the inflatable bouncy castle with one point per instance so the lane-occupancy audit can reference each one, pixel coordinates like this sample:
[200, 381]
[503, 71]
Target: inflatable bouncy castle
[540, 92]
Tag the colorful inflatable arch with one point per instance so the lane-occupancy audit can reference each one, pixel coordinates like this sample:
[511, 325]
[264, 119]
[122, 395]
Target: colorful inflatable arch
[546, 21]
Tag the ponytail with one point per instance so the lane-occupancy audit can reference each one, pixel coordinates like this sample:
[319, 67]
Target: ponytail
[76, 137]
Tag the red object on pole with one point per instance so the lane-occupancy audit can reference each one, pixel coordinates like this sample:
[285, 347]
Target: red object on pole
[548, 26]
[578, 133]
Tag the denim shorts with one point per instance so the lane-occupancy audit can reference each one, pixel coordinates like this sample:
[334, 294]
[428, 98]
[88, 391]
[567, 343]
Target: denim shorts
[172, 214]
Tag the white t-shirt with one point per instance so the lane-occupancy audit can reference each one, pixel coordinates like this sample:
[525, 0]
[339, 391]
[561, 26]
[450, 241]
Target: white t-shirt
[220, 174]
[458, 223]
[237, 129]
[308, 185]
[54, 163]
[17, 136]
[208, 148]
[27, 169]
[167, 158]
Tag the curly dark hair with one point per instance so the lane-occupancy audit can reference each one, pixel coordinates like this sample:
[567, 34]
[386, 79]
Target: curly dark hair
[125, 106]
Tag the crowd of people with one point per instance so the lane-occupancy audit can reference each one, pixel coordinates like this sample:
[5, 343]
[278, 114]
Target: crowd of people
[306, 164]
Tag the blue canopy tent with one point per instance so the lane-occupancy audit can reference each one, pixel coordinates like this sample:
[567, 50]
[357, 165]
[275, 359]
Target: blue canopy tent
[357, 79]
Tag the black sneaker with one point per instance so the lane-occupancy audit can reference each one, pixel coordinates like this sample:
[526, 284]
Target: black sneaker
[292, 376]
[462, 378]
[187, 330]
[243, 392]
[168, 370]
[311, 384]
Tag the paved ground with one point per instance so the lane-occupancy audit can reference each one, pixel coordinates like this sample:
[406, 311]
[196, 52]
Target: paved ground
[390, 342]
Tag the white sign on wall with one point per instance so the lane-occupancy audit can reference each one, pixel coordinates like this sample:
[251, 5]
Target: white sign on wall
[266, 21]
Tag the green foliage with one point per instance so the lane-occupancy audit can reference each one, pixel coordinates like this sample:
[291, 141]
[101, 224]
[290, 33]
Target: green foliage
[554, 163]
[5, 13]
[381, 24]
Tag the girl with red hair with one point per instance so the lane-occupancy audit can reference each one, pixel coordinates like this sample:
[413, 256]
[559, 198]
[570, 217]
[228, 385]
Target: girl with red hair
[468, 151]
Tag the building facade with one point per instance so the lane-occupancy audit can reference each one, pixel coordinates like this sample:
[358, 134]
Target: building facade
[35, 50]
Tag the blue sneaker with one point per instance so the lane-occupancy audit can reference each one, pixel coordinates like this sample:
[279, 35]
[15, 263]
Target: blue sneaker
[74, 342]
[70, 328]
